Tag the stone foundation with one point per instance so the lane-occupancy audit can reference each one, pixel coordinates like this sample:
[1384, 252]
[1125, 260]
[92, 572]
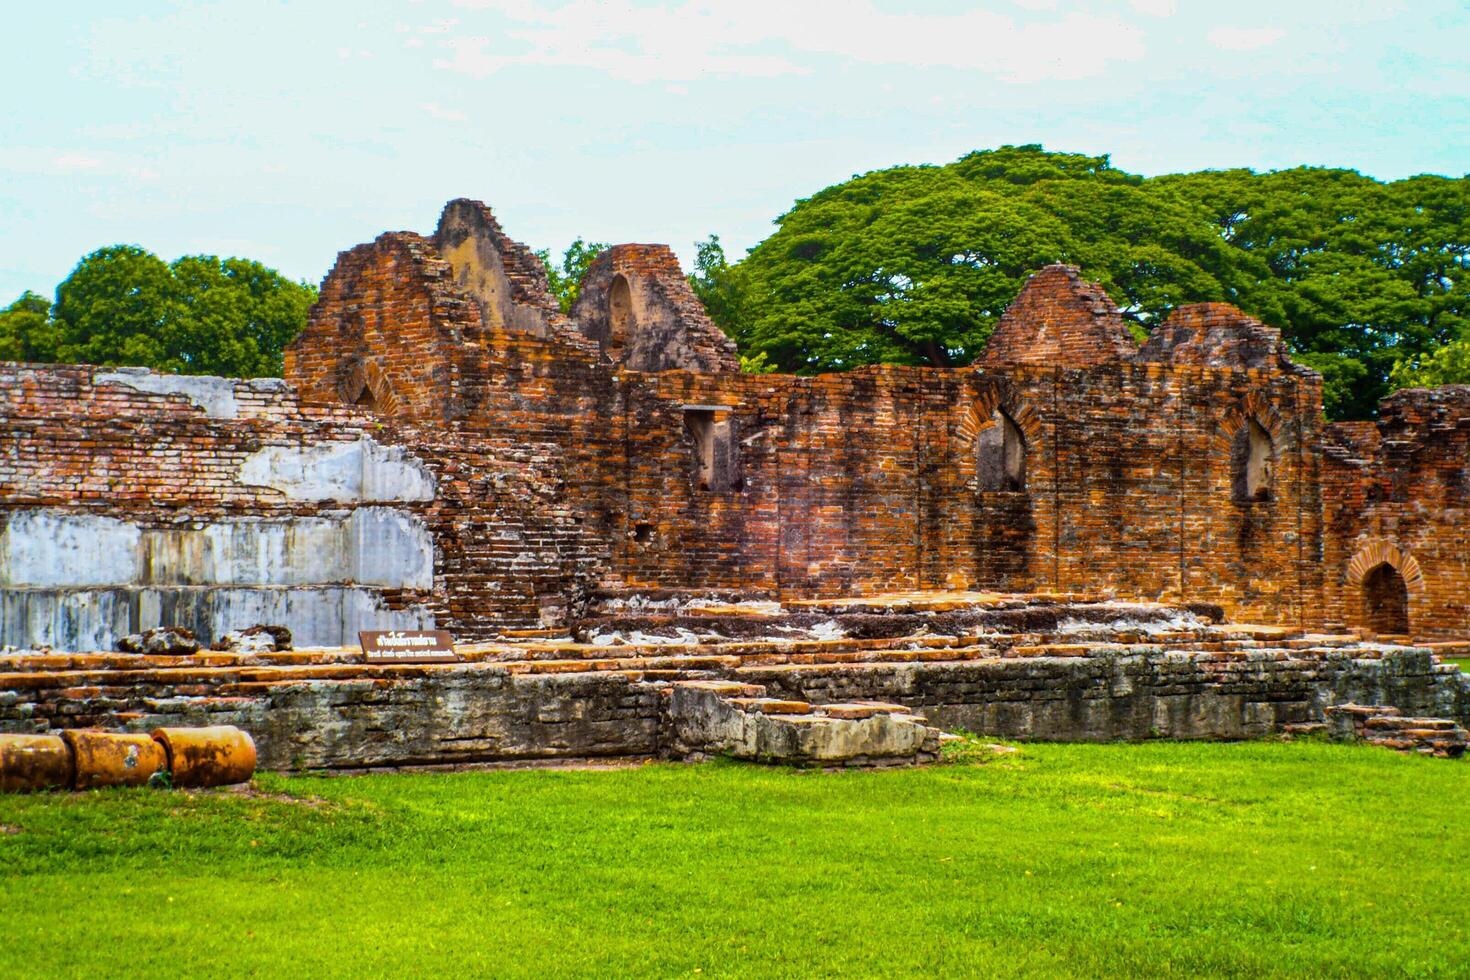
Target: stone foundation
[1019, 667]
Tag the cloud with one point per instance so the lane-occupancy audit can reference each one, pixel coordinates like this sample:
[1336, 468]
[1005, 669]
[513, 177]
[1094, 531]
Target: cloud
[1244, 38]
[769, 38]
[439, 112]
[59, 162]
[1155, 8]
[70, 163]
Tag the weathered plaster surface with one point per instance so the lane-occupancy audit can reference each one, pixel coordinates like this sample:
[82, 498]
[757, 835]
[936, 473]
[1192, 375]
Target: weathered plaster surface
[94, 618]
[216, 396]
[50, 548]
[76, 581]
[361, 471]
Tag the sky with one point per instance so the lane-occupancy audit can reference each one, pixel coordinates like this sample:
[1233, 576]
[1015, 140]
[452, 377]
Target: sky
[287, 132]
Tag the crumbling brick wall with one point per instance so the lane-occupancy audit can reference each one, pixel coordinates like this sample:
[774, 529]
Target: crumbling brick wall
[504, 278]
[1220, 336]
[1059, 318]
[130, 498]
[391, 332]
[637, 306]
[558, 469]
[1397, 494]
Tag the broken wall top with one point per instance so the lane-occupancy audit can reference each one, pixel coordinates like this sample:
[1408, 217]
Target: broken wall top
[390, 331]
[1060, 319]
[504, 278]
[636, 303]
[1219, 335]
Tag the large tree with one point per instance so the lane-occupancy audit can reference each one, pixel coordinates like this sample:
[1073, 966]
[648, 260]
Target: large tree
[199, 315]
[26, 330]
[913, 265]
[1360, 275]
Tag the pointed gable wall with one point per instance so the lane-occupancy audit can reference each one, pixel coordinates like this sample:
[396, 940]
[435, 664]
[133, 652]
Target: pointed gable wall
[1060, 319]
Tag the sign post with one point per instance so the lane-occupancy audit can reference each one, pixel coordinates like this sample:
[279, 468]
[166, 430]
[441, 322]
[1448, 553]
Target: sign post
[407, 647]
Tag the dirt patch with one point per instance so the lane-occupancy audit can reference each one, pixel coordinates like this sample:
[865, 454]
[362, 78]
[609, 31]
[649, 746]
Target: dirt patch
[618, 762]
[253, 792]
[8, 829]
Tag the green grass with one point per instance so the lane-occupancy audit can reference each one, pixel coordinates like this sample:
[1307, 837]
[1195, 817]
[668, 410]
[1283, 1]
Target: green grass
[1088, 860]
[1462, 662]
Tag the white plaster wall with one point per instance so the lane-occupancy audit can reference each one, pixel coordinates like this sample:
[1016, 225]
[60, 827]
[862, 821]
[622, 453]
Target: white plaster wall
[216, 396]
[64, 619]
[55, 548]
[93, 619]
[380, 546]
[390, 548]
[295, 551]
[80, 581]
[350, 472]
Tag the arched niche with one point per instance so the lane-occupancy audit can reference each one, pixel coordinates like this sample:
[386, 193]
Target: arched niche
[620, 317]
[1385, 598]
[1252, 462]
[1386, 579]
[1000, 455]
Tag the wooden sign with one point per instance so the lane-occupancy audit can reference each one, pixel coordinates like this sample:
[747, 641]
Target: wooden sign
[407, 647]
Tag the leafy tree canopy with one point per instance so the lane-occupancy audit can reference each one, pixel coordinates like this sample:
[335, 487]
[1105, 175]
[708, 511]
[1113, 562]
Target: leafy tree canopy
[199, 315]
[914, 264]
[26, 331]
[1450, 365]
[565, 278]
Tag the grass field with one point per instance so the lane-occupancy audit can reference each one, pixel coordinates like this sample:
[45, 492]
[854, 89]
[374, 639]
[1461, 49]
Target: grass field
[1462, 662]
[1158, 858]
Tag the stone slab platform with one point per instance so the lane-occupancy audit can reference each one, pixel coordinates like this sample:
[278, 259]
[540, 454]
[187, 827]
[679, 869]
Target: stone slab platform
[1098, 670]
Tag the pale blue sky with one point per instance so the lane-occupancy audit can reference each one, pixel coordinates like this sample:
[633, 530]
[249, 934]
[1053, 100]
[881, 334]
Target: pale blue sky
[286, 132]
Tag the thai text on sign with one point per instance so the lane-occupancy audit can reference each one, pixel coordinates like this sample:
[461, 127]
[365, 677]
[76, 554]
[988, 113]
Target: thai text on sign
[407, 646]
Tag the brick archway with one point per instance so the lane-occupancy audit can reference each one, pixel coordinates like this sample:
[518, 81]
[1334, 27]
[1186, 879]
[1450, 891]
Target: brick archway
[1385, 578]
[1380, 551]
[980, 414]
[1254, 407]
[979, 418]
[364, 384]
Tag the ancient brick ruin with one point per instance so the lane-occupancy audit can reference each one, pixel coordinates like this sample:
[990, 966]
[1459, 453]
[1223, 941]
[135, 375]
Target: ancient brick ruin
[449, 449]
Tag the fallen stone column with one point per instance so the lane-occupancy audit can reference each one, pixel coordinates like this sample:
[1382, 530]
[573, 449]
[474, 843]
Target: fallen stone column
[192, 758]
[34, 762]
[202, 757]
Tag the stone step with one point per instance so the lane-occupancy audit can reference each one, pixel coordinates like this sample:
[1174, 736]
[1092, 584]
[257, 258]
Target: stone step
[860, 709]
[1362, 710]
[1392, 722]
[728, 689]
[772, 706]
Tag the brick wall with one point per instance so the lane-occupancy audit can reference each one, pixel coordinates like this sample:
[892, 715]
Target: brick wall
[559, 469]
[1059, 318]
[637, 306]
[1397, 493]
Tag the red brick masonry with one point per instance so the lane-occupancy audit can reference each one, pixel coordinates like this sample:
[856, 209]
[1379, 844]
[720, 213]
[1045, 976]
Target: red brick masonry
[621, 448]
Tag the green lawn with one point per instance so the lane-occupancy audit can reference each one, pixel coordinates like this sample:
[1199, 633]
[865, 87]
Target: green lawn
[1462, 662]
[1160, 858]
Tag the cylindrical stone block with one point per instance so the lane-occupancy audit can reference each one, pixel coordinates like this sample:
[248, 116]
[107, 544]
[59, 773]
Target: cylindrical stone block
[200, 757]
[34, 762]
[107, 759]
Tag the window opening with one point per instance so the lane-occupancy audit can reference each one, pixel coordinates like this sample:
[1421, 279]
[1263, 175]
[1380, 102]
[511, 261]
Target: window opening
[1000, 456]
[619, 314]
[1252, 457]
[1385, 601]
[715, 448]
